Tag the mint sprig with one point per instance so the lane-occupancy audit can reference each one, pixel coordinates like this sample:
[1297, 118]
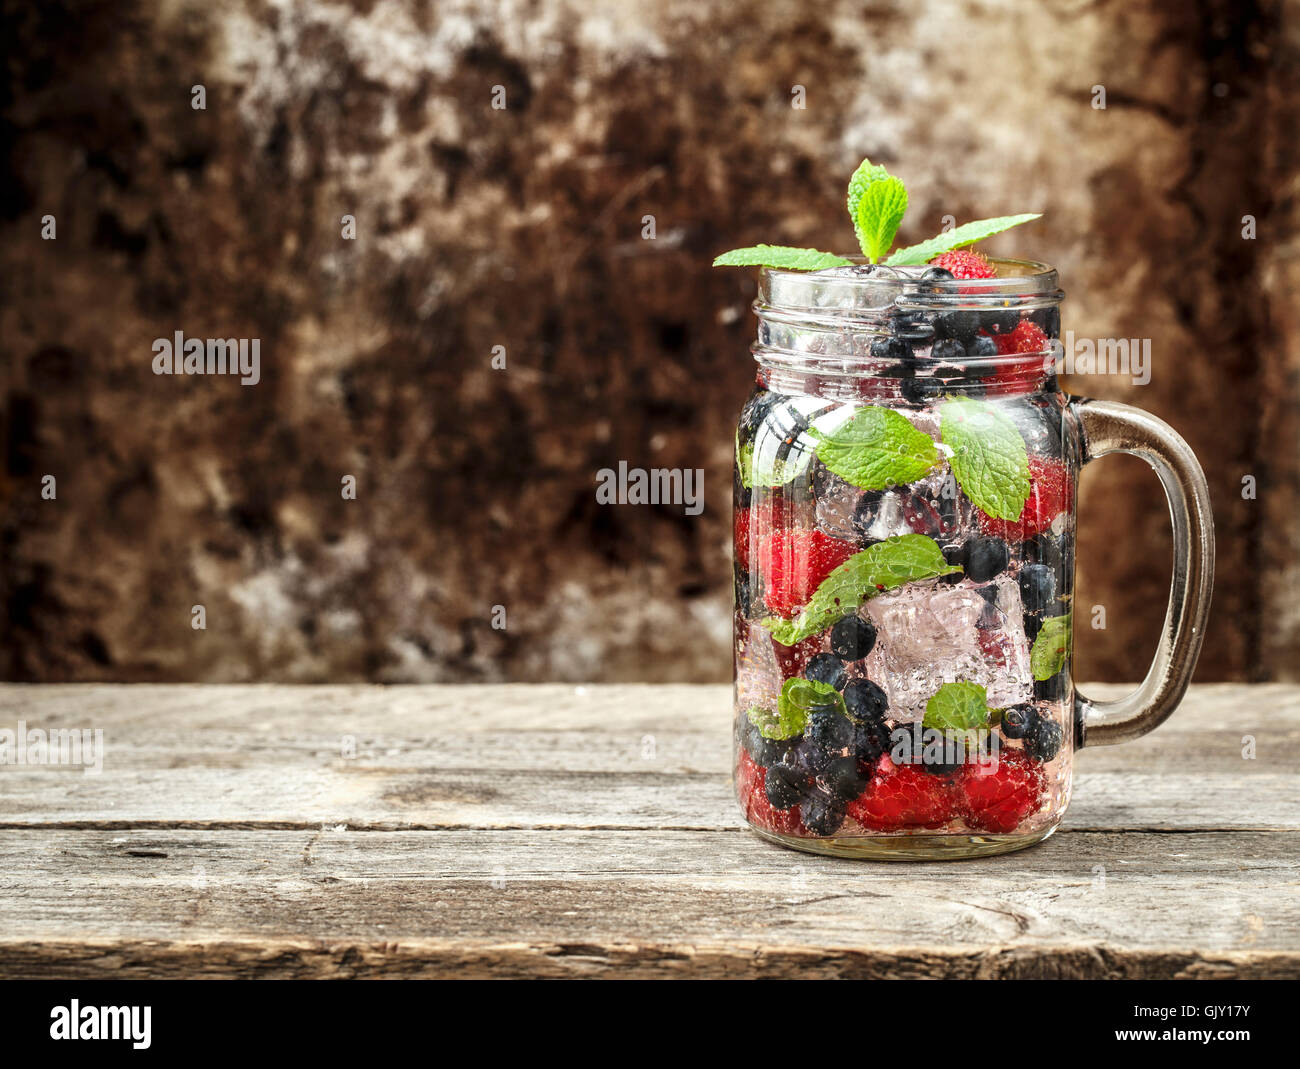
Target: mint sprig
[958, 707]
[876, 448]
[958, 238]
[877, 202]
[988, 458]
[884, 566]
[781, 256]
[1051, 647]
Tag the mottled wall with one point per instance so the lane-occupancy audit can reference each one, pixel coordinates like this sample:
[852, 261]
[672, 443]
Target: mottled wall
[522, 228]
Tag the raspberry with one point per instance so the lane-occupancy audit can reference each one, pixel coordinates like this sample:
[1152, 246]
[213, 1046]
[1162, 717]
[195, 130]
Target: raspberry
[997, 797]
[1027, 337]
[794, 563]
[792, 660]
[904, 796]
[1051, 492]
[965, 263]
[751, 790]
[740, 544]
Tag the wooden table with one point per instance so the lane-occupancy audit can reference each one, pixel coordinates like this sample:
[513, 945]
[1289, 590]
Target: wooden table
[569, 831]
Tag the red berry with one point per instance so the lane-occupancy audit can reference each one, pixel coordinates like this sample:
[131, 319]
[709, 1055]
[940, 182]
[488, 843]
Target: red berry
[740, 544]
[1051, 492]
[965, 263]
[998, 796]
[751, 790]
[794, 563]
[1025, 337]
[792, 660]
[904, 796]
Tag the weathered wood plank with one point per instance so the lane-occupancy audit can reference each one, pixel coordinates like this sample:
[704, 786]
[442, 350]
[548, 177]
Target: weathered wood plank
[642, 903]
[553, 756]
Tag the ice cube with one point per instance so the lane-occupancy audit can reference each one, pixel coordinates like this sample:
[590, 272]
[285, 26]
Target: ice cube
[758, 676]
[929, 635]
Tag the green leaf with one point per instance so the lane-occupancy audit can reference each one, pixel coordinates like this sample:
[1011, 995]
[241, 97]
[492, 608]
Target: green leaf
[1051, 647]
[881, 567]
[781, 256]
[988, 457]
[798, 698]
[877, 448]
[957, 707]
[867, 175]
[880, 209]
[745, 462]
[958, 238]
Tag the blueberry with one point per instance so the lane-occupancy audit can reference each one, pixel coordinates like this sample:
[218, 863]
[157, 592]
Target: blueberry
[1042, 431]
[1044, 549]
[744, 592]
[757, 409]
[824, 482]
[940, 767]
[827, 668]
[894, 350]
[829, 731]
[983, 558]
[930, 517]
[1037, 587]
[921, 391]
[1049, 319]
[999, 322]
[870, 740]
[822, 816]
[949, 350]
[853, 637]
[911, 326]
[937, 274]
[741, 494]
[762, 751]
[866, 701]
[1051, 690]
[1043, 740]
[1018, 720]
[1033, 625]
[804, 758]
[784, 786]
[960, 325]
[952, 555]
[982, 346]
[843, 778]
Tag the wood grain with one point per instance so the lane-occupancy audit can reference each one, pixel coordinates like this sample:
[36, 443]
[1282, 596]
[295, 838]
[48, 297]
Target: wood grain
[513, 831]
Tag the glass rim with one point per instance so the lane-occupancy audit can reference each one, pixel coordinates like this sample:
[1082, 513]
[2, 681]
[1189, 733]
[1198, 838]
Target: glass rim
[1022, 283]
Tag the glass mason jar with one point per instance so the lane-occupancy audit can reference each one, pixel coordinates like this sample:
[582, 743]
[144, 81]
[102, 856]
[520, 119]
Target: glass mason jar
[905, 486]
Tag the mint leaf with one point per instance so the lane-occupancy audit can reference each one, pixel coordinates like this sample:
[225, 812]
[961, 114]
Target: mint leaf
[781, 256]
[876, 448]
[884, 566]
[880, 209]
[867, 175]
[988, 457]
[745, 462]
[771, 726]
[1050, 647]
[958, 238]
[957, 707]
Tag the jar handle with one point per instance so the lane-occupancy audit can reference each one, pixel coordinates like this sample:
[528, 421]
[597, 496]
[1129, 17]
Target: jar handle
[1114, 428]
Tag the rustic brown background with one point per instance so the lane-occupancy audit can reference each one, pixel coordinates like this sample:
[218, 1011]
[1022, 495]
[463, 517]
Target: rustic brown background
[522, 228]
